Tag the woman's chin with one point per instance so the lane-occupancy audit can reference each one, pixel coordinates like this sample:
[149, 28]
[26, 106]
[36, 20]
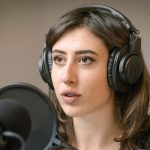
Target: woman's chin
[72, 112]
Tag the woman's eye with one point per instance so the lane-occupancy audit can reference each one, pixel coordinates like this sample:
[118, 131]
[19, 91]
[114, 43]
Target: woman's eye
[58, 60]
[86, 60]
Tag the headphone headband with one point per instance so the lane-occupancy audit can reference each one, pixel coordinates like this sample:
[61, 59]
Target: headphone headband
[117, 14]
[124, 67]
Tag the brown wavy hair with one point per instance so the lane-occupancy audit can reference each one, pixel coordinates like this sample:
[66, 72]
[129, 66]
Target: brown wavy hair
[131, 108]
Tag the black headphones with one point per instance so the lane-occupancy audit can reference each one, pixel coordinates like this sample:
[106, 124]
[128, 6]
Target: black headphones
[124, 68]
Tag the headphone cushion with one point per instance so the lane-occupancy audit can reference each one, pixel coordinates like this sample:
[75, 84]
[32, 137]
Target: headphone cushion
[109, 68]
[113, 75]
[45, 67]
[42, 69]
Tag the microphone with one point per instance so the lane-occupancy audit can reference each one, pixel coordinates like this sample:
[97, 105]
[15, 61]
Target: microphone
[15, 124]
[36, 127]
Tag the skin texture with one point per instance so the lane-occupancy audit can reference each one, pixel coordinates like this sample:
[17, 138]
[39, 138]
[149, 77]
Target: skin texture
[73, 71]
[79, 75]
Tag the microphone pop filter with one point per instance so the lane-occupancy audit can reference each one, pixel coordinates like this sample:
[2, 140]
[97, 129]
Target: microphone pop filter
[42, 113]
[11, 114]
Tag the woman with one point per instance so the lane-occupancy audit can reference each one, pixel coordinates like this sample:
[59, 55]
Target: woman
[100, 80]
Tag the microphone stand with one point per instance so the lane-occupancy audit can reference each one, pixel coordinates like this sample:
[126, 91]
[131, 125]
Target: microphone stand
[59, 143]
[6, 135]
[2, 141]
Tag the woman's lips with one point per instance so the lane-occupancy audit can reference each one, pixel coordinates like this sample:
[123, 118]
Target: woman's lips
[70, 96]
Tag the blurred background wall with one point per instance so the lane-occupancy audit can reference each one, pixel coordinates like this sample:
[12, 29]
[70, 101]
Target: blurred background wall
[24, 23]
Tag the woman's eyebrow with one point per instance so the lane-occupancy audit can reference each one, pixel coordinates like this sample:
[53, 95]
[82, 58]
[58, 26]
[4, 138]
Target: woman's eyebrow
[58, 51]
[79, 52]
[86, 52]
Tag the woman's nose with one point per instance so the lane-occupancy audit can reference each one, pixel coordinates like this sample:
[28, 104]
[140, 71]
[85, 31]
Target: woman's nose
[69, 76]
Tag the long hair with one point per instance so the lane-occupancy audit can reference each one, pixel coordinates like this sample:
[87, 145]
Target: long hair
[131, 109]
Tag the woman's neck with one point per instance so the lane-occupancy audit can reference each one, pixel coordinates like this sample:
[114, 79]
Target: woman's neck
[97, 131]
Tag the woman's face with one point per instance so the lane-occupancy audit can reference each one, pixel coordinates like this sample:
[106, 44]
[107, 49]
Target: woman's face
[79, 73]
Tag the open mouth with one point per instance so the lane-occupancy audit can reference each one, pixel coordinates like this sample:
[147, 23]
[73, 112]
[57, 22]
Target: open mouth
[70, 97]
[70, 94]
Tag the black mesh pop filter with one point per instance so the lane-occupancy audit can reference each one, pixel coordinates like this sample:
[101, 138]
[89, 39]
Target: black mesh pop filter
[43, 117]
[31, 101]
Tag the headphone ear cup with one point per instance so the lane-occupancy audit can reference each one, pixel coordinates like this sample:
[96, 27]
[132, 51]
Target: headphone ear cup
[109, 68]
[42, 69]
[113, 72]
[45, 67]
[131, 68]
[124, 70]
